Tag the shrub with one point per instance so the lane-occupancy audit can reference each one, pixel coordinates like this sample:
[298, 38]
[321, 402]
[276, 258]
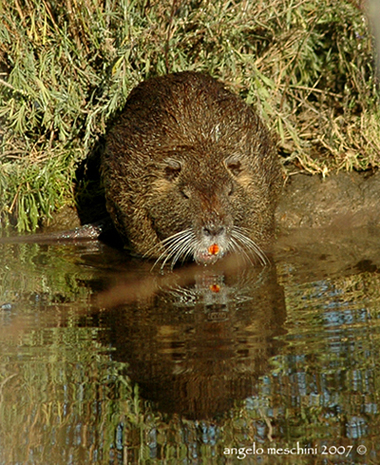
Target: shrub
[66, 68]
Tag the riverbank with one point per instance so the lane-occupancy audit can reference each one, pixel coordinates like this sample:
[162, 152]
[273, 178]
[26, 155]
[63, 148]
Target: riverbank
[340, 201]
[306, 66]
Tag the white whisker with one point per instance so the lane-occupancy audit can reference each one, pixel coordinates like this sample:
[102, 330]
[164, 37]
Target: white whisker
[236, 247]
[181, 245]
[185, 249]
[242, 239]
[176, 246]
[176, 235]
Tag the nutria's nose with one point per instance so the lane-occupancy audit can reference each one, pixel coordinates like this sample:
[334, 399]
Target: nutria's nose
[213, 230]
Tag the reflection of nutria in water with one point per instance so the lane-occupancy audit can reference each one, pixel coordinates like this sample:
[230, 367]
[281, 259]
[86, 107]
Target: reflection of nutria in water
[190, 171]
[198, 349]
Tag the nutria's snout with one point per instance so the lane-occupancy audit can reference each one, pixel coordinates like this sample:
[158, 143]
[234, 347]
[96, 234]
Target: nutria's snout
[212, 246]
[205, 245]
[209, 244]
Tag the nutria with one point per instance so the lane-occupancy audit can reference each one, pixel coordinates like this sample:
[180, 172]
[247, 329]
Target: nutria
[190, 171]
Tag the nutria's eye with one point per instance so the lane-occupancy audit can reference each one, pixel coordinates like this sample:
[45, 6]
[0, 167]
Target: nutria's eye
[172, 168]
[234, 165]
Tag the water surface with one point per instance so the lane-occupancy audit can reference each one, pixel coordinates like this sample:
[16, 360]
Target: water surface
[103, 361]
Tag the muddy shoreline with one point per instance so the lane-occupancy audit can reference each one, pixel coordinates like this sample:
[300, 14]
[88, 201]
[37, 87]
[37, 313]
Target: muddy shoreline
[341, 201]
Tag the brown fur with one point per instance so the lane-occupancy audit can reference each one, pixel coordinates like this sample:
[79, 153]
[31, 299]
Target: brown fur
[187, 154]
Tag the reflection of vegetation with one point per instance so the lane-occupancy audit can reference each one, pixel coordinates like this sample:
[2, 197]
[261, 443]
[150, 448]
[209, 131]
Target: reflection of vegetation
[62, 396]
[65, 392]
[65, 399]
[362, 287]
[66, 68]
[21, 275]
[334, 344]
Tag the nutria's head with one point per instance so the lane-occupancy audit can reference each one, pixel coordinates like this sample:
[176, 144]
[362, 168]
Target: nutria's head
[201, 207]
[190, 172]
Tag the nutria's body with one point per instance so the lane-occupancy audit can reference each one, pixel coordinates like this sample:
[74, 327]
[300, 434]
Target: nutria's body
[190, 171]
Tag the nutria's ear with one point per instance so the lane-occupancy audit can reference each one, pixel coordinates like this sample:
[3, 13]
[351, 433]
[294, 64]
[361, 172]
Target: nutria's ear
[172, 168]
[233, 163]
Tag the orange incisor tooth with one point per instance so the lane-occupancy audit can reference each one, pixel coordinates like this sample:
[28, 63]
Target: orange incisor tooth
[213, 249]
[214, 288]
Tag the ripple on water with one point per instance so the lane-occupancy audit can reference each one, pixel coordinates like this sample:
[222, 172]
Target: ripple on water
[224, 360]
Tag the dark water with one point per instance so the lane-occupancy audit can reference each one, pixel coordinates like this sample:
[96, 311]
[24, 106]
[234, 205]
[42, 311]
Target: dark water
[102, 361]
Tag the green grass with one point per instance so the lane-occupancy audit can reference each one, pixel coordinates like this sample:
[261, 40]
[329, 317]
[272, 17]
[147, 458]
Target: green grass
[66, 68]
